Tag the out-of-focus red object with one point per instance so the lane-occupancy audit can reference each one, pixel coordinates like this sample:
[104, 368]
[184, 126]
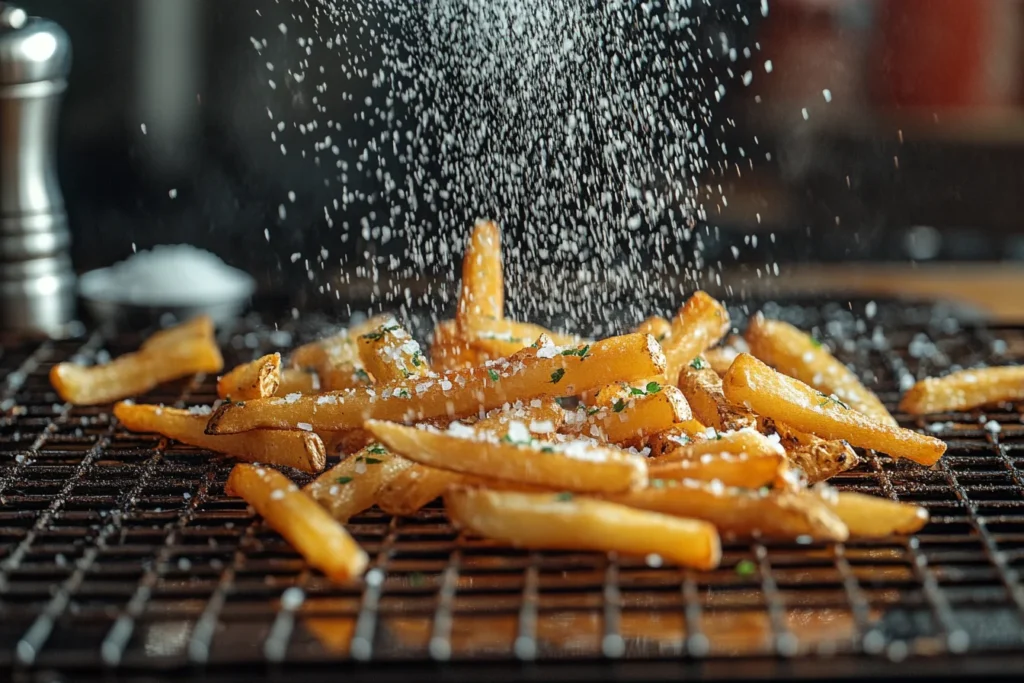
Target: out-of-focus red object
[946, 53]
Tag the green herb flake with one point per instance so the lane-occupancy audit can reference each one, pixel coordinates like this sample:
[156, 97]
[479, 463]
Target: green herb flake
[718, 435]
[633, 391]
[417, 359]
[343, 480]
[563, 497]
[362, 375]
[373, 461]
[746, 568]
[653, 387]
[592, 411]
[584, 351]
[697, 363]
[493, 374]
[547, 449]
[816, 343]
[619, 406]
[662, 337]
[557, 375]
[379, 334]
[376, 449]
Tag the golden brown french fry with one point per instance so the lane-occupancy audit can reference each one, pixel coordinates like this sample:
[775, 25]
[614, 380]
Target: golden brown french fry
[574, 465]
[702, 388]
[420, 484]
[819, 460]
[177, 355]
[565, 521]
[872, 517]
[540, 372]
[657, 327]
[414, 488]
[743, 470]
[347, 442]
[700, 324]
[632, 418]
[754, 385]
[772, 514]
[304, 524]
[720, 358]
[744, 441]
[336, 358]
[389, 354]
[681, 433]
[256, 379]
[795, 353]
[482, 296]
[351, 486]
[965, 390]
[303, 451]
[449, 351]
[297, 382]
[200, 326]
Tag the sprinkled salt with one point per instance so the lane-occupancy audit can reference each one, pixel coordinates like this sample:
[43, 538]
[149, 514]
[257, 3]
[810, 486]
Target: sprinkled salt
[293, 397]
[542, 426]
[993, 427]
[304, 426]
[277, 494]
[292, 598]
[518, 433]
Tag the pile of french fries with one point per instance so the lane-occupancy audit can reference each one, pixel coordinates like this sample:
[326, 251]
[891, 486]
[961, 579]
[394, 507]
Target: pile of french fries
[650, 443]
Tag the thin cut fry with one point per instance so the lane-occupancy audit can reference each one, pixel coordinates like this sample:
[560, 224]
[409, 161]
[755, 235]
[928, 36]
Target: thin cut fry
[389, 353]
[700, 324]
[482, 296]
[818, 459]
[297, 382]
[751, 383]
[574, 466]
[743, 470]
[632, 418]
[200, 326]
[351, 486]
[746, 441]
[965, 390]
[774, 514]
[702, 388]
[304, 524]
[873, 517]
[795, 353]
[533, 373]
[178, 354]
[564, 521]
[257, 379]
[300, 450]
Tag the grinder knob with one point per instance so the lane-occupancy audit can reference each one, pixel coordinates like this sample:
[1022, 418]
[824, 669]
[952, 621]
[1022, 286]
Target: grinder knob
[37, 281]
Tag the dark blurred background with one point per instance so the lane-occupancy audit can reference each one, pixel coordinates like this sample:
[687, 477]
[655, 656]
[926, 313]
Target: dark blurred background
[870, 129]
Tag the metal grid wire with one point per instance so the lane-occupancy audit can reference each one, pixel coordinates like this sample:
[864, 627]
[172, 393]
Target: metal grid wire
[120, 552]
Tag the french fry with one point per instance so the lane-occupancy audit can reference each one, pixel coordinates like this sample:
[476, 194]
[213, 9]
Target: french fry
[336, 358]
[533, 373]
[390, 354]
[347, 442]
[414, 488]
[482, 296]
[744, 441]
[199, 326]
[681, 433]
[449, 351]
[700, 324]
[656, 326]
[297, 382]
[178, 354]
[351, 486]
[797, 354]
[257, 379]
[754, 385]
[564, 521]
[873, 517]
[743, 470]
[299, 450]
[702, 388]
[574, 465]
[304, 524]
[632, 418]
[965, 390]
[818, 459]
[742, 512]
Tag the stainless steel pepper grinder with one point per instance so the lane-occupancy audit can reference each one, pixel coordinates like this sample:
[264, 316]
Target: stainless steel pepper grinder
[37, 281]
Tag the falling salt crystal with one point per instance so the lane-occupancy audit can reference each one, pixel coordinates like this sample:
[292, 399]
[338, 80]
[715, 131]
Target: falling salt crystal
[993, 427]
[292, 598]
[277, 494]
[172, 193]
[653, 561]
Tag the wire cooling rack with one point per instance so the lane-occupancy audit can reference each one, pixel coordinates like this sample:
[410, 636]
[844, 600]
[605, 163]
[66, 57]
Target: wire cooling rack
[121, 556]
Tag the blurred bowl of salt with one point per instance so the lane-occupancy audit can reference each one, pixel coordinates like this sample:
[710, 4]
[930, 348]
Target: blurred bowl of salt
[168, 284]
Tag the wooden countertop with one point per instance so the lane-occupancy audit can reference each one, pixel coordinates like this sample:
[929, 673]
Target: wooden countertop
[994, 289]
